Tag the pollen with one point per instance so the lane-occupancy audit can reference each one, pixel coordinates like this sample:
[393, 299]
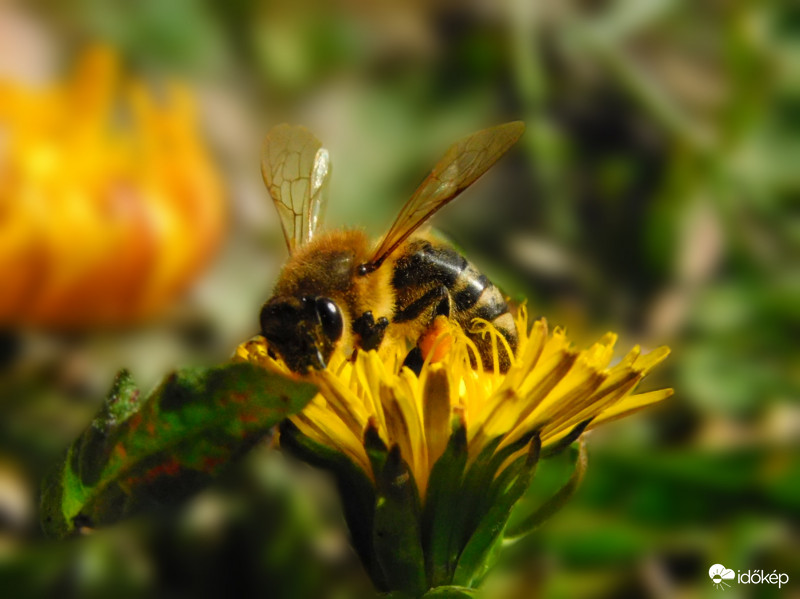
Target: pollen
[437, 342]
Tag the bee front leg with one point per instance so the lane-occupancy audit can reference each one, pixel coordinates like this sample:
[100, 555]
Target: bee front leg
[369, 330]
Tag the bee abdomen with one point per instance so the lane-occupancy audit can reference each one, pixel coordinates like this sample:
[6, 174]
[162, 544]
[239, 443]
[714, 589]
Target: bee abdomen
[474, 296]
[426, 268]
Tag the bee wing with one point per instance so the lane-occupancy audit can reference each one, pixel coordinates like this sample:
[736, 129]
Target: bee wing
[463, 163]
[296, 170]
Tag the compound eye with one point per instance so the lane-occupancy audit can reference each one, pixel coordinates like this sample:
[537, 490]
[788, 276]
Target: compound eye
[330, 317]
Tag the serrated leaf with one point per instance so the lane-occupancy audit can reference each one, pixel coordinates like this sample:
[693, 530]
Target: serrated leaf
[159, 450]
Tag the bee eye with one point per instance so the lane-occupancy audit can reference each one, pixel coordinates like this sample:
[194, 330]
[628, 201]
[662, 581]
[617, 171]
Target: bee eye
[330, 317]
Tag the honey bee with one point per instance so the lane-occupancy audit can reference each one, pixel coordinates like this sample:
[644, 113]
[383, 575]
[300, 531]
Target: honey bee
[339, 290]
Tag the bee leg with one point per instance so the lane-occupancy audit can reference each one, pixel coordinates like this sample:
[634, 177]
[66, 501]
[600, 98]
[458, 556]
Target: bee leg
[370, 331]
[414, 360]
[435, 302]
[443, 307]
[438, 301]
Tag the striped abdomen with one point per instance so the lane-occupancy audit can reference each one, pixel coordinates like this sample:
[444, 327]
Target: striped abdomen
[429, 279]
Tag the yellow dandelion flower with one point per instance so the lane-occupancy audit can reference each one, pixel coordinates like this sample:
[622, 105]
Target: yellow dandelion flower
[455, 438]
[109, 201]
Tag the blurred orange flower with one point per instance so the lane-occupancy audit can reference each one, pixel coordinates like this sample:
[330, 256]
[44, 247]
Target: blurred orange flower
[109, 202]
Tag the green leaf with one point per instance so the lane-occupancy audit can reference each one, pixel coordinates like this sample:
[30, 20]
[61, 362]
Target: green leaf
[397, 537]
[158, 451]
[97, 442]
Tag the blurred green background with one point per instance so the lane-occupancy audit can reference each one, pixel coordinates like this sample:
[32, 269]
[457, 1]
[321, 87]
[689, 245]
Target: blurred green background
[656, 193]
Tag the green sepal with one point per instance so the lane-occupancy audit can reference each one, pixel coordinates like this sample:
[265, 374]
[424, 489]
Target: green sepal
[396, 533]
[480, 552]
[442, 592]
[566, 441]
[467, 491]
[479, 478]
[483, 473]
[452, 592]
[157, 451]
[556, 502]
[466, 499]
[377, 452]
[355, 488]
[439, 517]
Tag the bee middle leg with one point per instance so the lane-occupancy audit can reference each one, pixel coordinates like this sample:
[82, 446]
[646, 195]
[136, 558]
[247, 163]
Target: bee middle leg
[433, 303]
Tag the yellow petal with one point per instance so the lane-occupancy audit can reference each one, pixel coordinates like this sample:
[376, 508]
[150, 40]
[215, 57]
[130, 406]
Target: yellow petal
[436, 413]
[630, 405]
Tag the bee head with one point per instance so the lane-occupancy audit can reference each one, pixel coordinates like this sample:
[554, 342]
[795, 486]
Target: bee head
[303, 330]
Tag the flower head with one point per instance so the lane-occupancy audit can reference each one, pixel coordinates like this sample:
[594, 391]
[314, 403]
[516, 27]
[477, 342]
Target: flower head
[109, 202]
[456, 425]
[551, 388]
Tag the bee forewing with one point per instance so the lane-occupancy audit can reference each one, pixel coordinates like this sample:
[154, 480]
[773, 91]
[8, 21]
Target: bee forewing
[463, 163]
[296, 170]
